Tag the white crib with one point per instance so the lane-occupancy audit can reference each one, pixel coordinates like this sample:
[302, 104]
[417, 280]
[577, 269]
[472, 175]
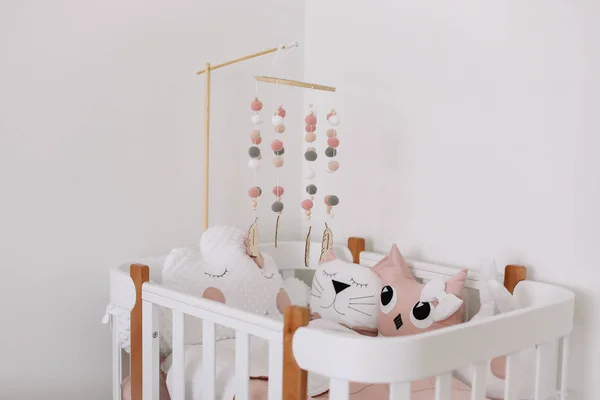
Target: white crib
[544, 321]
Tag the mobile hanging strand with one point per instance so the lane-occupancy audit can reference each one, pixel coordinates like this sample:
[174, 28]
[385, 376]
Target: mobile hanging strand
[254, 163]
[310, 156]
[278, 150]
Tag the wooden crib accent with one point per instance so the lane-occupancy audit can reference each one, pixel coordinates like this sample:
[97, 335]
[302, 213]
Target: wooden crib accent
[356, 245]
[294, 378]
[139, 274]
[514, 274]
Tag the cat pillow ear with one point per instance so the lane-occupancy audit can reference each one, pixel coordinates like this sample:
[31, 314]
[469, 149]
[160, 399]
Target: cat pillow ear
[393, 266]
[327, 256]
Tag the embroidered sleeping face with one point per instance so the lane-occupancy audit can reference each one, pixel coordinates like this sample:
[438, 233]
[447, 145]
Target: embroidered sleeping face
[223, 272]
[407, 307]
[345, 293]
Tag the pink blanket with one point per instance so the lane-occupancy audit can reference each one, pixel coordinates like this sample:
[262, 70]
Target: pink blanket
[421, 390]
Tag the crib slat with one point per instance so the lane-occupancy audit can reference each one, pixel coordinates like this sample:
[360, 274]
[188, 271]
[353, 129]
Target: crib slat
[538, 373]
[564, 367]
[338, 389]
[242, 365]
[178, 368]
[478, 388]
[275, 370]
[208, 359]
[443, 387]
[510, 387]
[150, 358]
[400, 391]
[117, 361]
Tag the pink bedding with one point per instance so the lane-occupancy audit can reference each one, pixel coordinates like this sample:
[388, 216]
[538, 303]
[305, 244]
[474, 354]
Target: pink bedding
[421, 390]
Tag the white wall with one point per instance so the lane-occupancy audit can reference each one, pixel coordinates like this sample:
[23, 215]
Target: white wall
[101, 160]
[469, 131]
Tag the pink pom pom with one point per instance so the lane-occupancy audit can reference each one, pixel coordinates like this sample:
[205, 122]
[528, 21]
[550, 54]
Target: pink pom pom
[281, 112]
[276, 145]
[333, 142]
[254, 192]
[310, 128]
[277, 162]
[256, 105]
[310, 119]
[326, 199]
[278, 191]
[310, 137]
[307, 204]
[280, 128]
[255, 136]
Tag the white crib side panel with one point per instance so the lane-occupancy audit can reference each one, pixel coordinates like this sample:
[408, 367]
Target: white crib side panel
[275, 371]
[117, 362]
[443, 387]
[208, 359]
[339, 389]
[400, 391]
[178, 368]
[478, 389]
[150, 354]
[510, 383]
[564, 367]
[242, 365]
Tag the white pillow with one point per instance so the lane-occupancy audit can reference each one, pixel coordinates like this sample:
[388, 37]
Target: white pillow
[346, 293]
[222, 271]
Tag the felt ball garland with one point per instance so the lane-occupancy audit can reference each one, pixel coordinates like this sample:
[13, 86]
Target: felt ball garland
[277, 120]
[254, 151]
[310, 155]
[333, 142]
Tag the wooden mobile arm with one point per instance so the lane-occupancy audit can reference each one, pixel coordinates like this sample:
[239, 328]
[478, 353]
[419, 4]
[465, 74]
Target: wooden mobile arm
[207, 72]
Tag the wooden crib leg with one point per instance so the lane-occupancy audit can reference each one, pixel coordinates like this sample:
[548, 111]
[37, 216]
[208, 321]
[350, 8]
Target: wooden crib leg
[139, 274]
[294, 378]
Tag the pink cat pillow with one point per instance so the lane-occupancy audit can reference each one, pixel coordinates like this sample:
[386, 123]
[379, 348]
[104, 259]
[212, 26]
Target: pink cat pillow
[407, 307]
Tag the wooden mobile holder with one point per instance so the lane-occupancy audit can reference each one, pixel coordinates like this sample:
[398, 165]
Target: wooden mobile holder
[266, 79]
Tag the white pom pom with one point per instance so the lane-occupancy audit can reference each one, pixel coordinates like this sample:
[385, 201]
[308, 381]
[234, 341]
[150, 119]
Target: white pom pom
[310, 173]
[256, 119]
[276, 120]
[334, 120]
[254, 163]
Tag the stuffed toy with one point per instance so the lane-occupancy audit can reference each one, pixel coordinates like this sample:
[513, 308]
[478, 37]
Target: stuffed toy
[223, 271]
[345, 293]
[408, 307]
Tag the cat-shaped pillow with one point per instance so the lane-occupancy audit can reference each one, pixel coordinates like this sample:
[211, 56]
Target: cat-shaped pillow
[345, 293]
[223, 271]
[408, 307]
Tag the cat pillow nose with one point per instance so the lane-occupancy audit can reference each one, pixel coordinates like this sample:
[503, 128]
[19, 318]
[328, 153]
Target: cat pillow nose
[339, 286]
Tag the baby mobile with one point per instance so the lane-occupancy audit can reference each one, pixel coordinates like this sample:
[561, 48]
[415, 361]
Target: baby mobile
[277, 147]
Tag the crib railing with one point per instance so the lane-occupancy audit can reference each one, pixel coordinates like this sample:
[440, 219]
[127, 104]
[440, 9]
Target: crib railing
[244, 323]
[401, 360]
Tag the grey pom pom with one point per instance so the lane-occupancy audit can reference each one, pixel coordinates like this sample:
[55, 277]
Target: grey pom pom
[311, 189]
[330, 152]
[277, 206]
[310, 155]
[254, 152]
[280, 152]
[333, 200]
